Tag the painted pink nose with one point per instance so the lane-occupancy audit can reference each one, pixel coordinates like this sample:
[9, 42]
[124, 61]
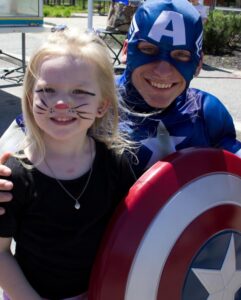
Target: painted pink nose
[61, 106]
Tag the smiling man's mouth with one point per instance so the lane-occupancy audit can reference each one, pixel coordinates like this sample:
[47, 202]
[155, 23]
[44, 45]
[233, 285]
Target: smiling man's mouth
[161, 85]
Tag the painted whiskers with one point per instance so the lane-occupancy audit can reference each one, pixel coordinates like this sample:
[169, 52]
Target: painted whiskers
[73, 110]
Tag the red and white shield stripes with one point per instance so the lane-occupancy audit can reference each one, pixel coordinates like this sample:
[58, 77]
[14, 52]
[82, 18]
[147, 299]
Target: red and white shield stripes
[168, 215]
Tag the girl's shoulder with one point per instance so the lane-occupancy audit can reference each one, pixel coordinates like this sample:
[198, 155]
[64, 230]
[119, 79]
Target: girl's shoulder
[105, 154]
[109, 159]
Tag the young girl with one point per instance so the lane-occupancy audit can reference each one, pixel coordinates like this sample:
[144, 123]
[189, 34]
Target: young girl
[70, 175]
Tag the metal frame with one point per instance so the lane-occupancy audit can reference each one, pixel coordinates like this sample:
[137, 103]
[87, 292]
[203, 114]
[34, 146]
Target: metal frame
[104, 34]
[21, 65]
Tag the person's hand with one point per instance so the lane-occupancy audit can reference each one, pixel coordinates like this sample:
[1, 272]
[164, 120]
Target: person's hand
[5, 185]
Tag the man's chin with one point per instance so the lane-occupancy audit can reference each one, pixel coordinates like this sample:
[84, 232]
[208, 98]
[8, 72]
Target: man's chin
[159, 103]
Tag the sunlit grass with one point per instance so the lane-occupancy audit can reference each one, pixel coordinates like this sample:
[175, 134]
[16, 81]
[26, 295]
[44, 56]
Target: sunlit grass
[57, 11]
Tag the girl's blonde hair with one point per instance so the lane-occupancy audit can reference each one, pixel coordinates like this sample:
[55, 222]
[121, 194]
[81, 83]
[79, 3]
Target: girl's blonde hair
[92, 49]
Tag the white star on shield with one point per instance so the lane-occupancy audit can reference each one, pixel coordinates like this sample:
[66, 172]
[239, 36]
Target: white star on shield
[223, 283]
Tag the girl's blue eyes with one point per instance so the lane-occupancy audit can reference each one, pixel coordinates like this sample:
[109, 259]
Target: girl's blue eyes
[48, 90]
[51, 91]
[45, 90]
[76, 92]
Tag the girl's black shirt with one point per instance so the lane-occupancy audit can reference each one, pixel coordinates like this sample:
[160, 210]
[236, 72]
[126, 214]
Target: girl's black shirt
[56, 244]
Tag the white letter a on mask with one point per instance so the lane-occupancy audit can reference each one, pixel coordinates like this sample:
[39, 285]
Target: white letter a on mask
[159, 30]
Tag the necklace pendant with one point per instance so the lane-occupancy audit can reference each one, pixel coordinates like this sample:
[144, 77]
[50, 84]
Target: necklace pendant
[77, 205]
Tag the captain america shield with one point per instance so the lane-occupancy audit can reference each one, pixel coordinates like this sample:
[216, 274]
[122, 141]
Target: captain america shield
[177, 235]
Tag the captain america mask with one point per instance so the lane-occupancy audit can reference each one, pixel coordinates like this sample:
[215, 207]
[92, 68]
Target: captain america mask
[169, 25]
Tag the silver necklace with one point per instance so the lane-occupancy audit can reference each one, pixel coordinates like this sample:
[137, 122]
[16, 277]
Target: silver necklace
[76, 200]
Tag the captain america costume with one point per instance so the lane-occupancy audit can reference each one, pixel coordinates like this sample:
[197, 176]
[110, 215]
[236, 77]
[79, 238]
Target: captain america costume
[195, 118]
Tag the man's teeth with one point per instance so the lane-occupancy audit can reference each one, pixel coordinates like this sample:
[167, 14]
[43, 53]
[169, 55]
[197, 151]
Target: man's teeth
[161, 85]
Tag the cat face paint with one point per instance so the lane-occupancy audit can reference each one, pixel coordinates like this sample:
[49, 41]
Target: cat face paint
[170, 25]
[66, 97]
[47, 104]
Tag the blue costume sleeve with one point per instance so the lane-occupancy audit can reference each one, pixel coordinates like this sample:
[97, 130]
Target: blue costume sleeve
[220, 126]
[20, 122]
